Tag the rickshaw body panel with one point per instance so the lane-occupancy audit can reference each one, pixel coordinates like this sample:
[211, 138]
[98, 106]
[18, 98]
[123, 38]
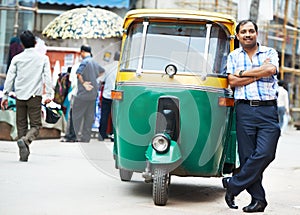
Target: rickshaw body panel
[202, 134]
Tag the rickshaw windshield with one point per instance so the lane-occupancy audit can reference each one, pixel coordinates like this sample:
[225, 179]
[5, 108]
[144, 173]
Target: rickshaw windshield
[193, 48]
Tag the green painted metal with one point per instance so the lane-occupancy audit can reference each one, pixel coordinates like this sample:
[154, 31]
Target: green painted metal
[204, 128]
[171, 156]
[232, 146]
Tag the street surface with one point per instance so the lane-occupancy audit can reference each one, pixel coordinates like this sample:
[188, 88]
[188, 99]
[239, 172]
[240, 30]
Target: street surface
[80, 179]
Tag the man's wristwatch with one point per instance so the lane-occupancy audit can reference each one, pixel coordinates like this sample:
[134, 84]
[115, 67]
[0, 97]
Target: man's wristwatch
[241, 73]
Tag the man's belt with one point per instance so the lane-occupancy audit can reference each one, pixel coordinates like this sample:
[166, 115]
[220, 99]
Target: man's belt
[255, 103]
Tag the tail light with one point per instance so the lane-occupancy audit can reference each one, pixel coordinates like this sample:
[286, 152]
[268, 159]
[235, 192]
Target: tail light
[226, 102]
[116, 95]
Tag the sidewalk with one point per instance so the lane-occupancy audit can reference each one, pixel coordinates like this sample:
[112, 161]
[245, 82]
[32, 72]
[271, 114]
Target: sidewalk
[282, 177]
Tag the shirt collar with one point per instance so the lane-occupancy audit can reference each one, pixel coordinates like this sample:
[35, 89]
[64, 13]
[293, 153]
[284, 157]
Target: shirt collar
[261, 49]
[29, 49]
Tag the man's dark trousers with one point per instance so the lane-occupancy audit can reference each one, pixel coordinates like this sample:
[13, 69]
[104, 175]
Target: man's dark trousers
[258, 132]
[105, 112]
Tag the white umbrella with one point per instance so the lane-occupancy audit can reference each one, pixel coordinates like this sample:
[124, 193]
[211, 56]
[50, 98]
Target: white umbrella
[86, 23]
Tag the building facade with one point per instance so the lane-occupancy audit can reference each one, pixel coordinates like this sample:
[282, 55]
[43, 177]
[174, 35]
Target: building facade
[19, 15]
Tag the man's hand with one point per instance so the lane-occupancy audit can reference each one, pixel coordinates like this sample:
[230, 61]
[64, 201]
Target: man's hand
[236, 81]
[237, 73]
[265, 70]
[47, 101]
[87, 85]
[4, 104]
[267, 60]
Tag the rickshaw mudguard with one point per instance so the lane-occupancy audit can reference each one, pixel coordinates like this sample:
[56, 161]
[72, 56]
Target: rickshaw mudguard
[169, 157]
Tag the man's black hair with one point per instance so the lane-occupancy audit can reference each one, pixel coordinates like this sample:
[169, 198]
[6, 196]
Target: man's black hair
[243, 22]
[28, 39]
[86, 48]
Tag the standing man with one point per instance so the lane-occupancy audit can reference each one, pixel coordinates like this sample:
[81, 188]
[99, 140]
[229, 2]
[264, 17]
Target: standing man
[27, 74]
[83, 109]
[109, 84]
[252, 71]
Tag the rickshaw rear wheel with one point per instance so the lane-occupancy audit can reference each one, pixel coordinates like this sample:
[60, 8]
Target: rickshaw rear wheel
[160, 190]
[125, 175]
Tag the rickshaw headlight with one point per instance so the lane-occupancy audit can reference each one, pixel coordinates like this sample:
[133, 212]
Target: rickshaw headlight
[161, 143]
[171, 70]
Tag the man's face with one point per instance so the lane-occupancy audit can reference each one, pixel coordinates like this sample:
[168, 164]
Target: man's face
[247, 35]
[82, 54]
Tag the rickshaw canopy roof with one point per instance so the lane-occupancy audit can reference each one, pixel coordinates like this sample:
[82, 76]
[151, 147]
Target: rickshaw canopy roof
[177, 14]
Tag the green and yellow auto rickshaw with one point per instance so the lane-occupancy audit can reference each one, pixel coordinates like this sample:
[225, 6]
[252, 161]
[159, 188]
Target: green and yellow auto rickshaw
[172, 106]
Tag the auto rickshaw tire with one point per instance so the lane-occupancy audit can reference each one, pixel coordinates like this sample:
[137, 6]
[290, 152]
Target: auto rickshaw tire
[125, 175]
[160, 186]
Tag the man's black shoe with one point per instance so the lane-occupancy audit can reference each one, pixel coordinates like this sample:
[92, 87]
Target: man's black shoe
[255, 206]
[229, 199]
[23, 150]
[225, 182]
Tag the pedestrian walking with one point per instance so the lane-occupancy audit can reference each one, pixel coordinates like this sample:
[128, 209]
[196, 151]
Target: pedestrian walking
[27, 75]
[252, 71]
[83, 108]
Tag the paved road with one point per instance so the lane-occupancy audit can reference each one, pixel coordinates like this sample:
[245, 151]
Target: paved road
[80, 179]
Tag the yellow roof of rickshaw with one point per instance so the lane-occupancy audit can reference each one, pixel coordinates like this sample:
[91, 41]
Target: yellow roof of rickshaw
[179, 14]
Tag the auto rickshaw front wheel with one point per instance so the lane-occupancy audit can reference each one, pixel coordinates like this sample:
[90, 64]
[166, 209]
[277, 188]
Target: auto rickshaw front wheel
[160, 188]
[125, 175]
